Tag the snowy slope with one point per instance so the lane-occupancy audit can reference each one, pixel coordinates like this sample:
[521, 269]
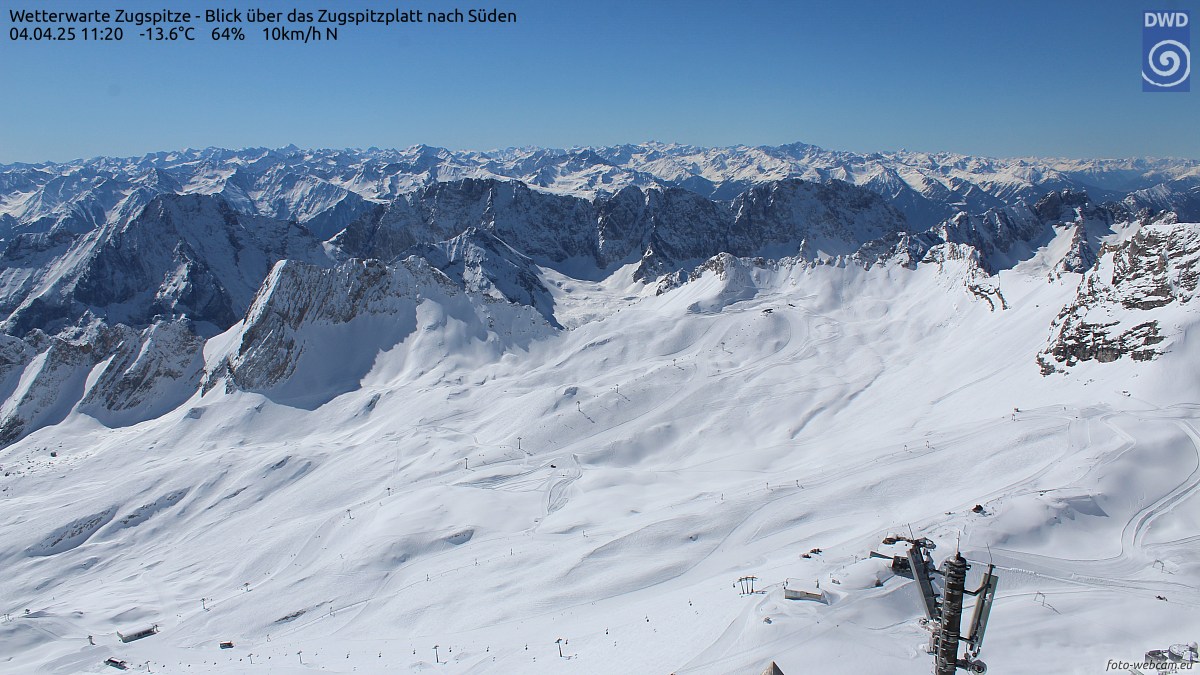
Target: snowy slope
[339, 407]
[491, 487]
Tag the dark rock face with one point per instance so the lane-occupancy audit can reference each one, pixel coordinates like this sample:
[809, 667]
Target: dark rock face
[147, 373]
[785, 219]
[1117, 309]
[1060, 206]
[24, 245]
[111, 277]
[670, 229]
[830, 219]
[482, 263]
[623, 222]
[682, 230]
[1181, 197]
[1006, 235]
[548, 228]
[312, 333]
[183, 255]
[383, 232]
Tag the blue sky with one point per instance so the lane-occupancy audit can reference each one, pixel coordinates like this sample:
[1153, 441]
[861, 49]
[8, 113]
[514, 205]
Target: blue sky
[1002, 78]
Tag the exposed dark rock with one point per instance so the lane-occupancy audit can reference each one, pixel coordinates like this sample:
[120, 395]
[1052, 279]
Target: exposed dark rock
[1115, 311]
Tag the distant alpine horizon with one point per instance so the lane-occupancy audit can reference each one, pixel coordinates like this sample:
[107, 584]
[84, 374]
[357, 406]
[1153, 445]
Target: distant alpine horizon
[302, 184]
[665, 146]
[1061, 80]
[372, 345]
[371, 409]
[775, 356]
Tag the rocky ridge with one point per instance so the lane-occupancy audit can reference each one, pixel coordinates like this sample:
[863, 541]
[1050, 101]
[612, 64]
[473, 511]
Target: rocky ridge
[117, 277]
[1124, 302]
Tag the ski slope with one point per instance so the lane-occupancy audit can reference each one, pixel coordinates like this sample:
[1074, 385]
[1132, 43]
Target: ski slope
[607, 486]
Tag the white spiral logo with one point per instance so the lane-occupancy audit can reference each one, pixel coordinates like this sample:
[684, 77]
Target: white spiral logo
[1166, 59]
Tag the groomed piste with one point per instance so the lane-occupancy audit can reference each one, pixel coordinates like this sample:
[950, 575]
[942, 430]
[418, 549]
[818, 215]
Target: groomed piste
[503, 490]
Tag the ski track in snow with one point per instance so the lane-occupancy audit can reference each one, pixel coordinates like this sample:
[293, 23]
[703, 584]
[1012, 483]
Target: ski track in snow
[736, 442]
[1113, 572]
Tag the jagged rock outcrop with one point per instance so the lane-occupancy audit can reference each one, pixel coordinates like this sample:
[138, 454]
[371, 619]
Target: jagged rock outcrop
[313, 333]
[115, 271]
[113, 373]
[1119, 308]
[269, 344]
[975, 277]
[187, 255]
[483, 263]
[737, 277]
[1005, 236]
[900, 248]
[549, 228]
[1081, 253]
[993, 232]
[149, 373]
[1088, 224]
[670, 229]
[815, 219]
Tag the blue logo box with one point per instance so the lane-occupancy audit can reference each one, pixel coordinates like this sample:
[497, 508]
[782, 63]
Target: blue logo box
[1166, 50]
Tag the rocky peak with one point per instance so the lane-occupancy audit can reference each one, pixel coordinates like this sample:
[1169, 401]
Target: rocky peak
[1120, 307]
[313, 333]
[192, 255]
[483, 263]
[1061, 205]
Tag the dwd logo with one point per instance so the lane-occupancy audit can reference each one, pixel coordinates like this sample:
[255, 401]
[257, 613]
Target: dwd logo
[1166, 51]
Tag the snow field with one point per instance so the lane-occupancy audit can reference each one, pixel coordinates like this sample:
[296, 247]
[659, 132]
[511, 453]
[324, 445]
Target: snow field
[665, 450]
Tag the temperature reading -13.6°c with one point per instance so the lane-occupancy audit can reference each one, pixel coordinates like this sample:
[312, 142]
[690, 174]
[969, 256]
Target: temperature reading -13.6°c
[160, 34]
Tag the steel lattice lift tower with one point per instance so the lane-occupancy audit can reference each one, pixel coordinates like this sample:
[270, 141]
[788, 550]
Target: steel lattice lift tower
[945, 609]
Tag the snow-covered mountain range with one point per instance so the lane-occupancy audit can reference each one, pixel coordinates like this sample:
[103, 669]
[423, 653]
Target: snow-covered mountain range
[326, 189]
[210, 340]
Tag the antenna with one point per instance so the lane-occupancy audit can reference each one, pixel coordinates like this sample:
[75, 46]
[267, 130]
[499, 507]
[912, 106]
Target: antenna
[944, 606]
